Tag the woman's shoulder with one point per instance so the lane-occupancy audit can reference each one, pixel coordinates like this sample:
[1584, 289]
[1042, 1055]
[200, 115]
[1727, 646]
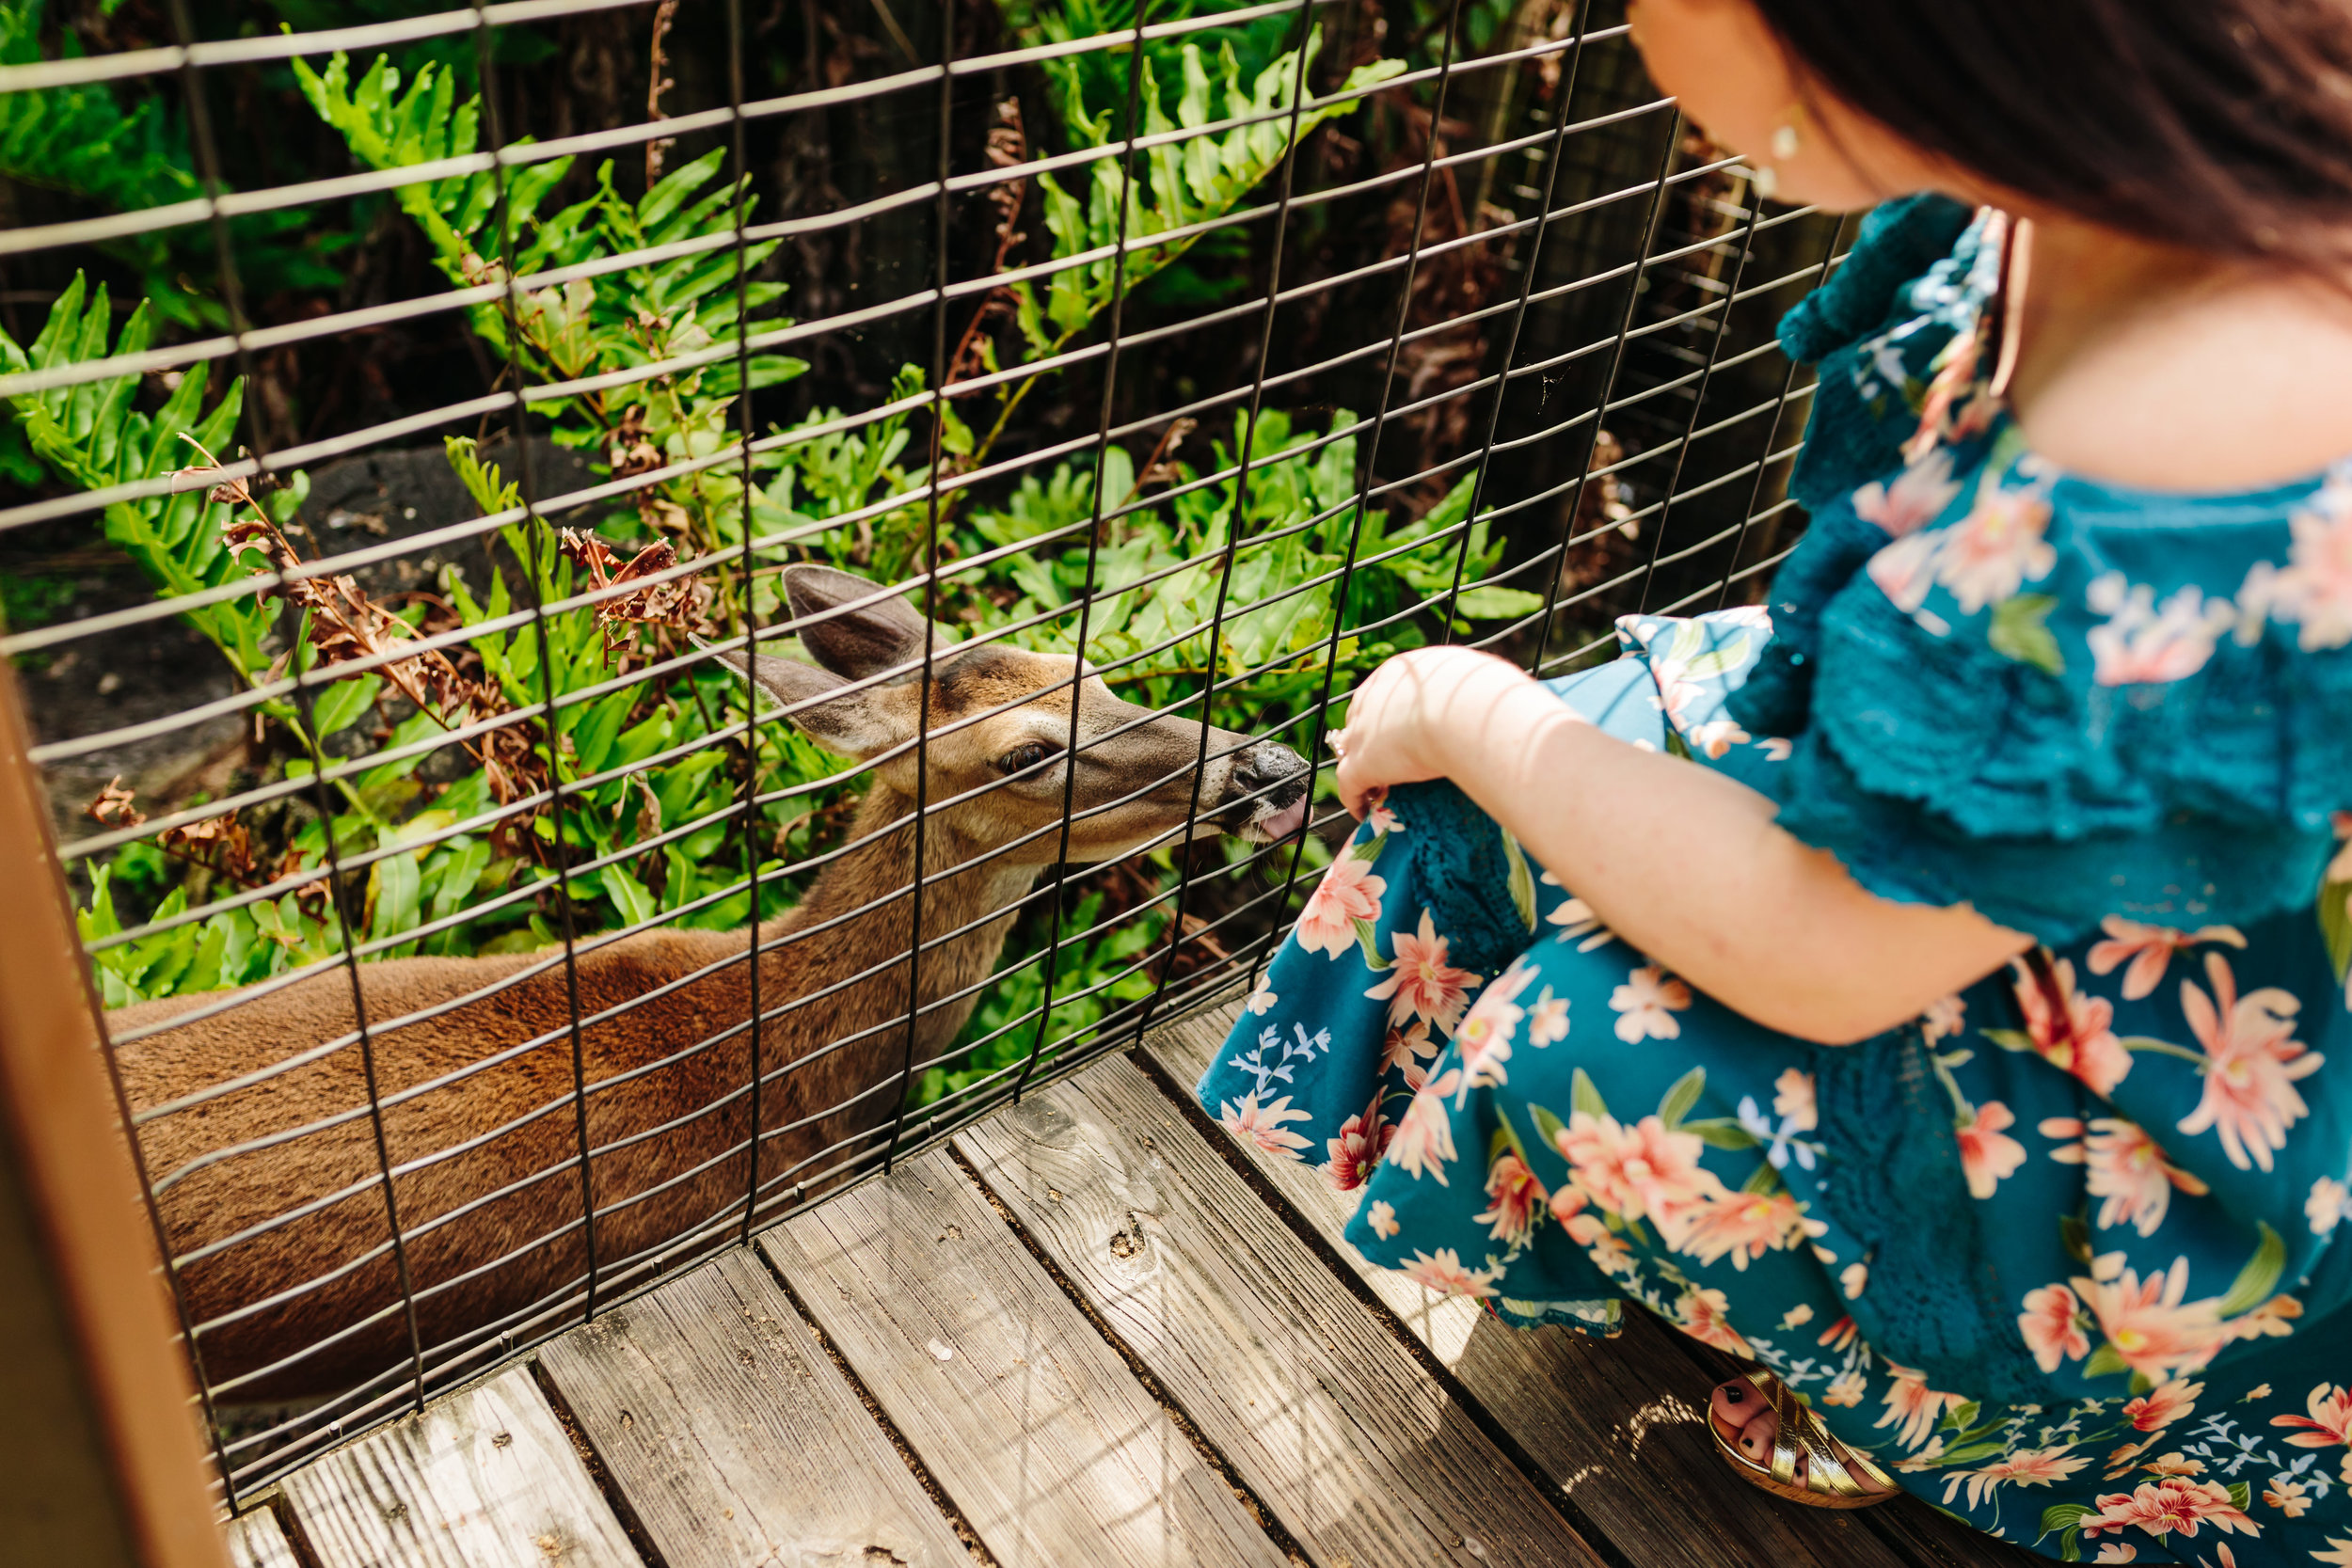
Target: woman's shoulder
[2237, 387]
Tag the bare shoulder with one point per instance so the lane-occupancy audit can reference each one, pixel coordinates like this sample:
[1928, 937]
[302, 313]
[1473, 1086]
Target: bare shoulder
[2246, 386]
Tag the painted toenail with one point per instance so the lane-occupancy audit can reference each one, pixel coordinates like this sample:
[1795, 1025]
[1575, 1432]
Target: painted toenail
[1733, 1393]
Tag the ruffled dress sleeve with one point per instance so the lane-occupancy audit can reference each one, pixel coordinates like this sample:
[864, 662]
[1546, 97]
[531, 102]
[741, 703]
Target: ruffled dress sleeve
[2058, 701]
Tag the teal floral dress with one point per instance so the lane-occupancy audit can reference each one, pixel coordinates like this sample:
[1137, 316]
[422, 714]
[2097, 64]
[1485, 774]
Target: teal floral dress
[2064, 1254]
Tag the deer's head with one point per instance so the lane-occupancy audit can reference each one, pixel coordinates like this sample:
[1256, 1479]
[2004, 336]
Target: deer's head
[998, 746]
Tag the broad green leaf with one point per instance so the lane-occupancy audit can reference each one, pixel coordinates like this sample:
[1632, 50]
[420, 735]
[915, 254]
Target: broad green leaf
[1682, 1097]
[2258, 1279]
[1585, 1097]
[2020, 631]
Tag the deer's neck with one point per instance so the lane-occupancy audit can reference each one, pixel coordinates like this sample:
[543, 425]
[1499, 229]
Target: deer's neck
[856, 926]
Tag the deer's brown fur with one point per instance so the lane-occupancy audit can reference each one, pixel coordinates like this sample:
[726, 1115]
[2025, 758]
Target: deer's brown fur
[493, 1235]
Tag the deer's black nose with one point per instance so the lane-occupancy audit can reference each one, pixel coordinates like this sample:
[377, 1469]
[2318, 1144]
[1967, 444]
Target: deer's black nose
[1267, 791]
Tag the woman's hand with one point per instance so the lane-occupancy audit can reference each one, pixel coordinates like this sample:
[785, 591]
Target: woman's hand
[1403, 723]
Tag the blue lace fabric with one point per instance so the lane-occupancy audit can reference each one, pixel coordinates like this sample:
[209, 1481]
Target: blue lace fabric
[2054, 699]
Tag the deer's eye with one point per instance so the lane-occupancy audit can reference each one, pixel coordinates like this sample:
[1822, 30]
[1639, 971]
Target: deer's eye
[1021, 758]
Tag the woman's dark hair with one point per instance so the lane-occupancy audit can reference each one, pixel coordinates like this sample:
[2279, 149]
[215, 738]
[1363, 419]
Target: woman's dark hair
[2221, 124]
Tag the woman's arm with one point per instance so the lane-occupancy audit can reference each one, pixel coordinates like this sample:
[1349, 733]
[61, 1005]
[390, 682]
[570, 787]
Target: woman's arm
[1684, 863]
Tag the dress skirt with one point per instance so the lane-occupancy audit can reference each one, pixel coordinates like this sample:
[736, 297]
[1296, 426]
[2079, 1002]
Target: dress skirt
[1536, 1115]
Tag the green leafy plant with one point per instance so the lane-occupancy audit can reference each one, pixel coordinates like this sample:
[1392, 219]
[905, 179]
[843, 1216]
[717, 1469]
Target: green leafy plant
[113, 146]
[438, 858]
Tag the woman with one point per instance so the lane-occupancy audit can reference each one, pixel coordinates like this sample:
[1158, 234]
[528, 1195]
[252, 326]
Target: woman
[1933, 993]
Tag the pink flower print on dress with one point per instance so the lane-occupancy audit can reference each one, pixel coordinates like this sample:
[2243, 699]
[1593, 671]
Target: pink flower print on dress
[2330, 1423]
[1364, 1138]
[2315, 589]
[1423, 1143]
[1987, 1155]
[1943, 1019]
[1422, 983]
[2076, 1034]
[2286, 1494]
[2145, 644]
[1716, 737]
[2148, 950]
[1377, 816]
[1904, 571]
[2152, 1329]
[1792, 1099]
[1548, 1020]
[2174, 1503]
[2328, 1204]
[1913, 1408]
[1746, 1225]
[1348, 893]
[1998, 550]
[2026, 1467]
[1514, 1199]
[1484, 1039]
[2252, 1060]
[1846, 1388]
[2052, 1328]
[2124, 1166]
[1381, 1216]
[1577, 922]
[1641, 1171]
[1404, 1050]
[1589, 1230]
[1702, 1315]
[1916, 498]
[2162, 1405]
[1645, 1005]
[1444, 1272]
[1263, 1125]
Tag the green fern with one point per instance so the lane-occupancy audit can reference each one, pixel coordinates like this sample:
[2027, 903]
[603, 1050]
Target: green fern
[85, 142]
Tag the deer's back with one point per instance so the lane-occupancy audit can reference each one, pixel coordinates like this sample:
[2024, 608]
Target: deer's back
[479, 1124]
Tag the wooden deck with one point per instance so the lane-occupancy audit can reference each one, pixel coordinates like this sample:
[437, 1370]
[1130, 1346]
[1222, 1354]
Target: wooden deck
[1093, 1332]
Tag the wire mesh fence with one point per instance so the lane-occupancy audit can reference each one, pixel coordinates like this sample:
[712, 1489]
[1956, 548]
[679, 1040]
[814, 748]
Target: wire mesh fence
[566, 762]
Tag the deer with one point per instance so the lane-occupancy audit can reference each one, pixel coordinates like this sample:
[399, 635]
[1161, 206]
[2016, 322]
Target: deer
[268, 1167]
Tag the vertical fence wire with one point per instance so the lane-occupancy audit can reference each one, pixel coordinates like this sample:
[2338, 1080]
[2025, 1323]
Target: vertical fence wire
[1771, 429]
[945, 212]
[1241, 497]
[535, 570]
[1518, 319]
[741, 167]
[1573, 504]
[1050, 966]
[1321, 724]
[206, 150]
[1698, 397]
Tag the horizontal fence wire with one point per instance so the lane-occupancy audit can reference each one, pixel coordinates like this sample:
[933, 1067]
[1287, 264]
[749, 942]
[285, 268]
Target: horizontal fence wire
[516, 870]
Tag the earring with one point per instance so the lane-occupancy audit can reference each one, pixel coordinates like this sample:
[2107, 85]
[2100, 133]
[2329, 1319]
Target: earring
[1786, 144]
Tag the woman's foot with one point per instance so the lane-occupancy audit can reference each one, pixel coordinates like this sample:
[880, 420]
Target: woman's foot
[1745, 1417]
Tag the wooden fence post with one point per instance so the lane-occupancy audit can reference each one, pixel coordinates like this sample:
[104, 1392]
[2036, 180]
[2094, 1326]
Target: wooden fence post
[100, 1461]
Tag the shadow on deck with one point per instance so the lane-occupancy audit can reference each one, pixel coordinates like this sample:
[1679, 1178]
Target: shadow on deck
[1091, 1332]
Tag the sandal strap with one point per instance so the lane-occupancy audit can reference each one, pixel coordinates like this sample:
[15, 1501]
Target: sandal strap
[1801, 1432]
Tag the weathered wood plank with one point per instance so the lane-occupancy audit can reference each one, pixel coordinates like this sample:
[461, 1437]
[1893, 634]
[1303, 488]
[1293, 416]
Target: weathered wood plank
[734, 1436]
[482, 1478]
[256, 1540]
[1619, 1424]
[1324, 1414]
[1053, 1453]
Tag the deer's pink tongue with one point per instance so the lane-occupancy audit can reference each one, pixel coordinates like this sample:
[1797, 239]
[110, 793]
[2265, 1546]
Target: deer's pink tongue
[1281, 824]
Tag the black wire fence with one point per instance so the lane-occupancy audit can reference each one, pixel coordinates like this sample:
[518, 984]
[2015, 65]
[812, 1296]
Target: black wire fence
[479, 944]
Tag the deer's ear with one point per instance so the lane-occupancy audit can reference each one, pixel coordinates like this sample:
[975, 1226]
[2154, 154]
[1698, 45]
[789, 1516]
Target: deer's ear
[877, 634]
[856, 725]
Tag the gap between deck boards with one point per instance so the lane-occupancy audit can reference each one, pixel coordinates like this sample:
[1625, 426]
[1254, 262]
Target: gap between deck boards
[612, 1492]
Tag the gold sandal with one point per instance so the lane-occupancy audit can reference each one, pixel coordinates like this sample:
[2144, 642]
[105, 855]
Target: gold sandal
[1829, 1480]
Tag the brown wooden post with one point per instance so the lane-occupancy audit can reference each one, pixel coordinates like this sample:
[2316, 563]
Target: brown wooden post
[100, 1461]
